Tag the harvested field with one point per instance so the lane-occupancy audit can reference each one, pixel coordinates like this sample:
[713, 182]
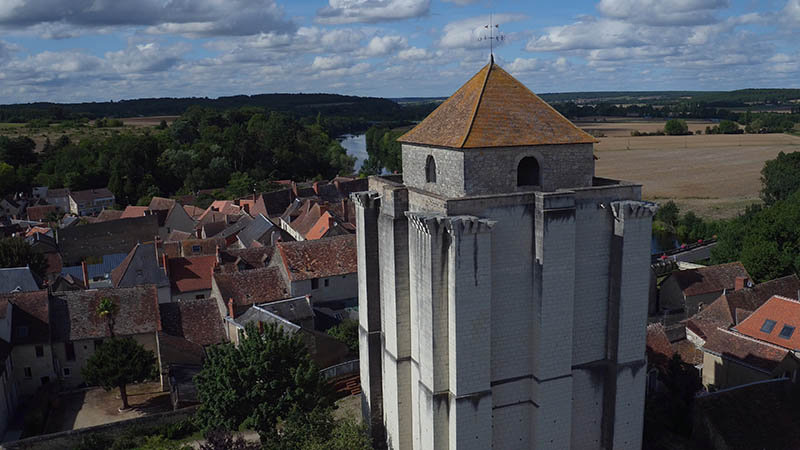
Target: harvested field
[716, 176]
[622, 127]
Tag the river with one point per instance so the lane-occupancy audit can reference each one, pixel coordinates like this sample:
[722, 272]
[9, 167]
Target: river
[356, 145]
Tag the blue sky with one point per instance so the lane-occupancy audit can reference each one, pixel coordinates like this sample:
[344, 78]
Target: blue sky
[99, 50]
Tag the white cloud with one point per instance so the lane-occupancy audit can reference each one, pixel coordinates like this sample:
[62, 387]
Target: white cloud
[328, 62]
[196, 17]
[791, 12]
[662, 12]
[149, 57]
[586, 34]
[383, 45]
[413, 54]
[371, 11]
[467, 33]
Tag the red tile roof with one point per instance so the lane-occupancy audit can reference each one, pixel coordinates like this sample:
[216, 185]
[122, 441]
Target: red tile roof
[108, 214]
[493, 109]
[320, 258]
[784, 312]
[75, 313]
[192, 273]
[34, 230]
[323, 225]
[252, 286]
[733, 306]
[658, 348]
[38, 213]
[134, 211]
[749, 351]
[193, 211]
[161, 203]
[709, 279]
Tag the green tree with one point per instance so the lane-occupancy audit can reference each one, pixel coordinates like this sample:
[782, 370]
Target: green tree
[676, 127]
[259, 382]
[8, 178]
[107, 309]
[15, 252]
[240, 185]
[347, 332]
[728, 127]
[318, 430]
[117, 363]
[780, 177]
[668, 213]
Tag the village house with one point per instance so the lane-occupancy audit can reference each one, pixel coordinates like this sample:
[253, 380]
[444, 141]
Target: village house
[141, 267]
[18, 279]
[764, 345]
[95, 275]
[90, 202]
[760, 415]
[30, 338]
[732, 307]
[238, 290]
[40, 213]
[59, 198]
[77, 329]
[325, 269]
[686, 292]
[12, 207]
[324, 350]
[190, 277]
[79, 243]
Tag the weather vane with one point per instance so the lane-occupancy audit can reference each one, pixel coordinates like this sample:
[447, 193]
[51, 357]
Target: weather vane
[492, 36]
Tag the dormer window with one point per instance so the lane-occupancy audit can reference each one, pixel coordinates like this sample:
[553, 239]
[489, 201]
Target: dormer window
[528, 172]
[430, 170]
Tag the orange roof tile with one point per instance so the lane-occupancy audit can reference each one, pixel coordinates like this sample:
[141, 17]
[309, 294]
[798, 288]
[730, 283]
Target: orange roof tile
[783, 312]
[493, 109]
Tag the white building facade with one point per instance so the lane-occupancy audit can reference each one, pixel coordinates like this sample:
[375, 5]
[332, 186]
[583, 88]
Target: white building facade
[503, 288]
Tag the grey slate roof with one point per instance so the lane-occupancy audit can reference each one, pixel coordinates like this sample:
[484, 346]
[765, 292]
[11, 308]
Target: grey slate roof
[294, 310]
[101, 270]
[257, 315]
[254, 231]
[17, 279]
[104, 238]
[140, 267]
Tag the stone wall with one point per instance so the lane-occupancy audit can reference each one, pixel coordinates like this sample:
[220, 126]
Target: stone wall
[493, 171]
[70, 439]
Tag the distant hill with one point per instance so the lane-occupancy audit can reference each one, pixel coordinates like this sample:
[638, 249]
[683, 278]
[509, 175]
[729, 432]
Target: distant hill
[299, 104]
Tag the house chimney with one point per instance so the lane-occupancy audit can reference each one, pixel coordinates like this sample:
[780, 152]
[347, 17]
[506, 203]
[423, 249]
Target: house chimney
[294, 189]
[260, 327]
[164, 259]
[344, 210]
[230, 308]
[316, 187]
[741, 283]
[85, 270]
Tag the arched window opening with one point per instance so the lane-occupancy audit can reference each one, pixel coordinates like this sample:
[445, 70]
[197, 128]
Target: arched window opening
[528, 172]
[430, 170]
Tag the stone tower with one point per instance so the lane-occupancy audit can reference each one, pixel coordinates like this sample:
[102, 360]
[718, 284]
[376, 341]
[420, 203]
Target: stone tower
[502, 286]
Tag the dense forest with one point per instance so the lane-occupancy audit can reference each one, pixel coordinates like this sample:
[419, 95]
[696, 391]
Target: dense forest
[242, 149]
[339, 114]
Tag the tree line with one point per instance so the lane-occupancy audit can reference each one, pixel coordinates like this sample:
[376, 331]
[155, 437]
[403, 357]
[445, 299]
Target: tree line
[204, 148]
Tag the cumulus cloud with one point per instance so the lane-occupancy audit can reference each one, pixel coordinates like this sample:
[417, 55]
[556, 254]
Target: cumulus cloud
[663, 12]
[466, 33]
[414, 54]
[371, 11]
[328, 62]
[149, 57]
[195, 17]
[587, 34]
[383, 45]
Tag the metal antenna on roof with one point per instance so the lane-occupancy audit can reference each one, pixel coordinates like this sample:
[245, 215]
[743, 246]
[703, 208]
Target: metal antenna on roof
[492, 37]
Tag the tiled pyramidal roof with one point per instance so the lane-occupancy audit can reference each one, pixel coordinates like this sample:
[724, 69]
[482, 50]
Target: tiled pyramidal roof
[493, 109]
